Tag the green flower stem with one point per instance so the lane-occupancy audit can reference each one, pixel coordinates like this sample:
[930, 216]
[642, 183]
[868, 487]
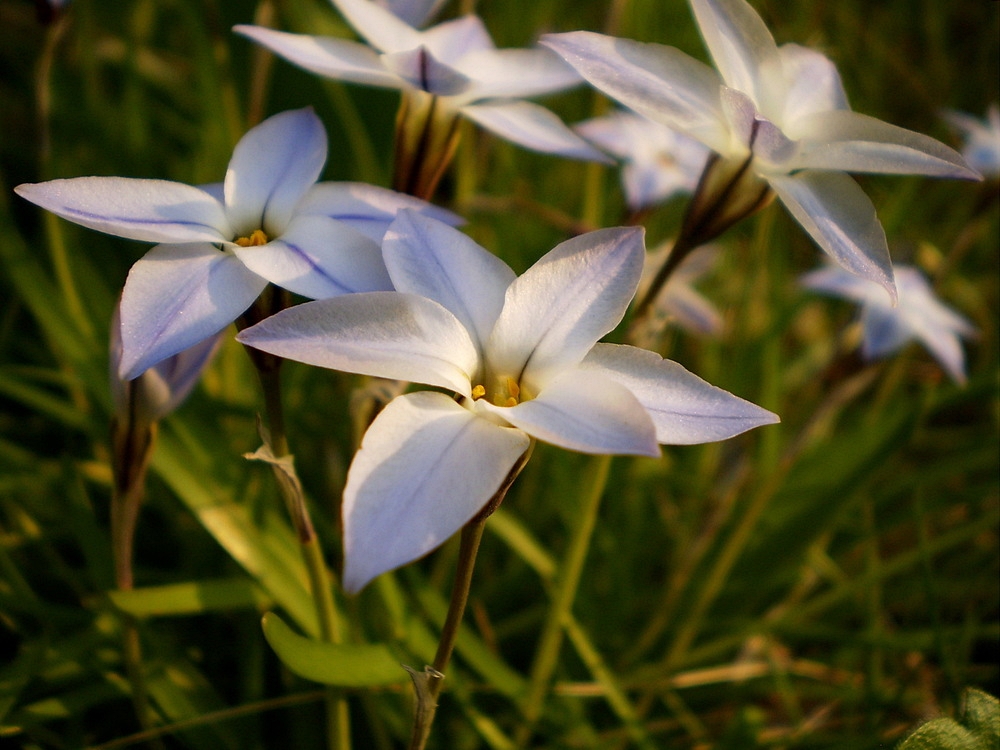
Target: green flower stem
[428, 684]
[337, 717]
[727, 192]
[547, 651]
[132, 442]
[268, 369]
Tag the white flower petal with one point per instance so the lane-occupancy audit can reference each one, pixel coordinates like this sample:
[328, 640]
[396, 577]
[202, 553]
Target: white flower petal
[340, 59]
[685, 409]
[319, 257]
[558, 309]
[178, 295]
[532, 126]
[149, 210]
[586, 412]
[421, 70]
[426, 466]
[851, 142]
[433, 260]
[367, 208]
[739, 43]
[659, 82]
[813, 85]
[453, 40]
[689, 309]
[841, 219]
[272, 167]
[384, 334]
[517, 73]
[381, 29]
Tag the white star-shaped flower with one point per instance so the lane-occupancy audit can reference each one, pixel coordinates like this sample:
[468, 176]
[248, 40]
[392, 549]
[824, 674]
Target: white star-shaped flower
[659, 162]
[455, 61]
[781, 111]
[220, 245]
[520, 355]
[919, 315]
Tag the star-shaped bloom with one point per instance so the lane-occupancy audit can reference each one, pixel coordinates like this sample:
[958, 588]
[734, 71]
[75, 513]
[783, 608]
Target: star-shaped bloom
[221, 244]
[919, 315]
[982, 139]
[456, 61]
[777, 114]
[659, 162]
[522, 358]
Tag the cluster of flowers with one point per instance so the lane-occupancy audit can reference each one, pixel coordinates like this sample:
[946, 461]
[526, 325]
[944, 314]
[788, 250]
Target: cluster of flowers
[400, 293]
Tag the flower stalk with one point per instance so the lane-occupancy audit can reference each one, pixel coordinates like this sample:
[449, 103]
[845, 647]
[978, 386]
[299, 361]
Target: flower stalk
[429, 683]
[276, 452]
[727, 192]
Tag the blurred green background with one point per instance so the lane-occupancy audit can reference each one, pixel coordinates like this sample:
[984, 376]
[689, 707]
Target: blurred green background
[830, 582]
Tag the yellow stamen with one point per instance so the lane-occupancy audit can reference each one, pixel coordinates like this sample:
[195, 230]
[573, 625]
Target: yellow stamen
[511, 401]
[256, 239]
[513, 389]
[478, 392]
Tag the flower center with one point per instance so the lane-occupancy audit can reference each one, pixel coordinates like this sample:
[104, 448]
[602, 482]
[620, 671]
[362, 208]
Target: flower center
[257, 238]
[506, 393]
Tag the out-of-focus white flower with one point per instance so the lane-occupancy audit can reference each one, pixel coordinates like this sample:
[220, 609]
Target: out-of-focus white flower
[679, 302]
[659, 162]
[520, 355]
[919, 315]
[982, 139]
[778, 118]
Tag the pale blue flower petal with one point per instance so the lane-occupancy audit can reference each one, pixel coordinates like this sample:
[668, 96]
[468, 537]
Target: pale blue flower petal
[685, 409]
[659, 82]
[379, 27]
[558, 309]
[149, 210]
[414, 12]
[384, 334]
[161, 388]
[341, 59]
[272, 167]
[981, 149]
[841, 219]
[532, 126]
[422, 70]
[583, 411]
[178, 295]
[367, 208]
[852, 142]
[884, 332]
[426, 466]
[319, 257]
[919, 315]
[433, 260]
